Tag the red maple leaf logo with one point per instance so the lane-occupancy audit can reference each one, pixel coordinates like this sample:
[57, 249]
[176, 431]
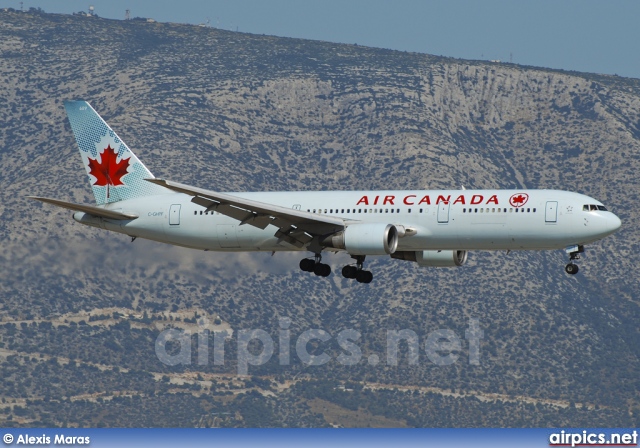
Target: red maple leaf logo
[108, 171]
[519, 199]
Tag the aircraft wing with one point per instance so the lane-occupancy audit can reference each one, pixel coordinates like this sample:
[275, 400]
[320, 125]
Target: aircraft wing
[90, 209]
[295, 227]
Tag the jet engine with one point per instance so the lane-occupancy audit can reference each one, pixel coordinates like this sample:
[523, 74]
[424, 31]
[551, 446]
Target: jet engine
[436, 258]
[365, 239]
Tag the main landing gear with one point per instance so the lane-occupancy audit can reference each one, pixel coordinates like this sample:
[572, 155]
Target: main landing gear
[574, 254]
[324, 270]
[314, 265]
[357, 272]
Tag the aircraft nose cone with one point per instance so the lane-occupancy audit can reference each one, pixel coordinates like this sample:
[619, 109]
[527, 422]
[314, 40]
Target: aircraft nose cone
[613, 223]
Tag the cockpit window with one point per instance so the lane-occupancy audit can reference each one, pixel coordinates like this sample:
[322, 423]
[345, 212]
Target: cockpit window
[593, 208]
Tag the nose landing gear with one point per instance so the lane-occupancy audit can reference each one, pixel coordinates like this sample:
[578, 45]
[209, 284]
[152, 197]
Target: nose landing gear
[574, 254]
[571, 269]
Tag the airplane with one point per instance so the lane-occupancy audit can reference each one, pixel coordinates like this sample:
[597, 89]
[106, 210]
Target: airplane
[432, 228]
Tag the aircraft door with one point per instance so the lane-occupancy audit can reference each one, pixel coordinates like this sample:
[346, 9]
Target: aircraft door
[551, 212]
[443, 213]
[227, 236]
[174, 215]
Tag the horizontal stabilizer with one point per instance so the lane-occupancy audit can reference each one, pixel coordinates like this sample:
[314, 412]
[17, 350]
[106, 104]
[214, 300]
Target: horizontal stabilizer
[89, 209]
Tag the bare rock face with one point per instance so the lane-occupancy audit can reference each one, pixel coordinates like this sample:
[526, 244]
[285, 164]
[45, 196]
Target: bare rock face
[239, 112]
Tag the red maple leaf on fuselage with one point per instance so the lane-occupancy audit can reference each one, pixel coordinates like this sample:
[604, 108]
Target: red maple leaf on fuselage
[518, 199]
[108, 171]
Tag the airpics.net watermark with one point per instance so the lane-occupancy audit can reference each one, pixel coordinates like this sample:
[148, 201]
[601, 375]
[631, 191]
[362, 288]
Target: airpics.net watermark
[256, 347]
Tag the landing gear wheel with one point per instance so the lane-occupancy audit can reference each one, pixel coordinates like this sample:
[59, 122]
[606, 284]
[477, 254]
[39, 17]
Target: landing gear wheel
[571, 269]
[357, 271]
[574, 254]
[322, 270]
[307, 264]
[364, 276]
[349, 272]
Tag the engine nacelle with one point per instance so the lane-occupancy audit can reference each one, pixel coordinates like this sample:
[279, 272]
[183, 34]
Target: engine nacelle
[435, 258]
[365, 239]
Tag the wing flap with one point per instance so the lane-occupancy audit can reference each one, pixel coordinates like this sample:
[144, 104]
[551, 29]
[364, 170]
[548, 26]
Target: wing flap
[294, 236]
[244, 216]
[89, 209]
[260, 214]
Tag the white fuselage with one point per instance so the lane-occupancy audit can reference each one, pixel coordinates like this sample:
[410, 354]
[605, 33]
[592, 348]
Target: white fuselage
[434, 220]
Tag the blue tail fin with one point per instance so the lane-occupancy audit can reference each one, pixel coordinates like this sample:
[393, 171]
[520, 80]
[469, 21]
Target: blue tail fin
[115, 172]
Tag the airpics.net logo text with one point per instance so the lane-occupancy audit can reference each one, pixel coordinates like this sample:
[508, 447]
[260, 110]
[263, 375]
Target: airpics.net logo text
[257, 347]
[590, 438]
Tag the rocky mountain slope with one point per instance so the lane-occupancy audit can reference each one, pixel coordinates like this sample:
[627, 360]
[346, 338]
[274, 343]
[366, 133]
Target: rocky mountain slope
[239, 112]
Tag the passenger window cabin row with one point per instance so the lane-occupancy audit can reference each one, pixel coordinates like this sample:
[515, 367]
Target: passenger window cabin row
[358, 210]
[409, 210]
[498, 210]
